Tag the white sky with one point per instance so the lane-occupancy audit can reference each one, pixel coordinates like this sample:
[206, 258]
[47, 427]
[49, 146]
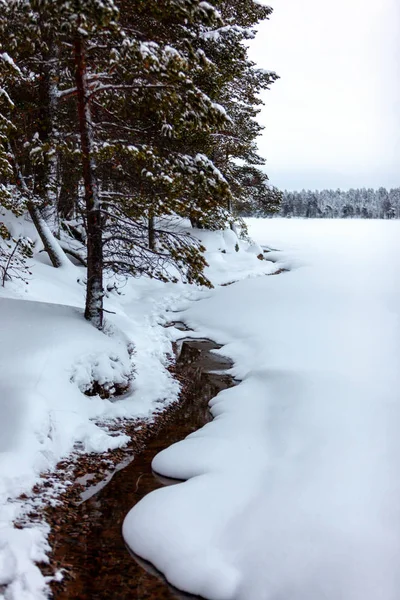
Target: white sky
[333, 119]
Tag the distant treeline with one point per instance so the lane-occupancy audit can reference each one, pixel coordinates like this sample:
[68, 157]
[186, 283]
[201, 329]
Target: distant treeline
[337, 204]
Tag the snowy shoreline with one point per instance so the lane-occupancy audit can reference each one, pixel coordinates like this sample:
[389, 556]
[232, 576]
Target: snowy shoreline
[57, 353]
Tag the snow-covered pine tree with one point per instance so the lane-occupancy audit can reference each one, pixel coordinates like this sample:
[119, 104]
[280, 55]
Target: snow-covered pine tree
[28, 34]
[236, 83]
[253, 194]
[394, 196]
[178, 177]
[136, 101]
[353, 203]
[142, 99]
[129, 99]
[14, 250]
[30, 149]
[8, 70]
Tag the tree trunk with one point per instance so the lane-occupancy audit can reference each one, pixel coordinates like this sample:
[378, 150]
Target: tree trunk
[46, 172]
[67, 198]
[52, 247]
[195, 223]
[230, 209]
[94, 286]
[152, 234]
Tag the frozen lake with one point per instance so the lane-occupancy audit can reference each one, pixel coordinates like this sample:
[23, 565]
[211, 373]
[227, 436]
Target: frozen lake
[293, 491]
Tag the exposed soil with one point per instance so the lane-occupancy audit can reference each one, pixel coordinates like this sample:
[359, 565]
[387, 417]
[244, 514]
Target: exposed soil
[86, 535]
[279, 272]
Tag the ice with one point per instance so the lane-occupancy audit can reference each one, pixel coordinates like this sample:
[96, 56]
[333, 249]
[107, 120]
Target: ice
[292, 490]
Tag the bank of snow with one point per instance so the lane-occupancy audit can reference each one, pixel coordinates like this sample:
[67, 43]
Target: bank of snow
[49, 356]
[292, 490]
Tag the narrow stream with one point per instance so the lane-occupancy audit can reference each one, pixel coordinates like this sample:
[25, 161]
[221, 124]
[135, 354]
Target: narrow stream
[102, 566]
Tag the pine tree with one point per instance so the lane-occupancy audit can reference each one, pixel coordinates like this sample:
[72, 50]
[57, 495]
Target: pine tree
[253, 194]
[8, 71]
[130, 114]
[20, 31]
[14, 250]
[136, 101]
[236, 83]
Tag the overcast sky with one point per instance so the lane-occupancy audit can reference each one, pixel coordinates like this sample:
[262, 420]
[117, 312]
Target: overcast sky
[333, 119]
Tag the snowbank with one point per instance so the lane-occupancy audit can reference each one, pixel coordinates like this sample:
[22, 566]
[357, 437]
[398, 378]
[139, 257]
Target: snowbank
[49, 355]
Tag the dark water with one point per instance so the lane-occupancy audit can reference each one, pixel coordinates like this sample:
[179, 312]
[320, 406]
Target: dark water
[101, 564]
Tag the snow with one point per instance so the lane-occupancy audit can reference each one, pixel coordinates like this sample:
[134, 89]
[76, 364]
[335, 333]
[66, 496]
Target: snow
[262, 3]
[50, 356]
[4, 56]
[292, 491]
[215, 34]
[231, 259]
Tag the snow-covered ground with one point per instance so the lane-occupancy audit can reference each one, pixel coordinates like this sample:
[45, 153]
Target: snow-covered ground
[49, 355]
[293, 490]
